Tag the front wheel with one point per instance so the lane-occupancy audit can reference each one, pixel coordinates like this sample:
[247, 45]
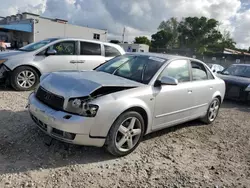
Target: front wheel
[24, 78]
[212, 111]
[125, 134]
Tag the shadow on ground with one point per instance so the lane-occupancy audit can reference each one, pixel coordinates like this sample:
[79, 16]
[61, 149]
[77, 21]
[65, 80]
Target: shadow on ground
[241, 106]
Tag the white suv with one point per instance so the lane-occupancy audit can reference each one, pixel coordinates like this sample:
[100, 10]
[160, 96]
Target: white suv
[24, 66]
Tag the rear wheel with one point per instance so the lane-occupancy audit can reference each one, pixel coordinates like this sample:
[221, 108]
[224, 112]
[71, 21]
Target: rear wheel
[24, 78]
[125, 134]
[212, 111]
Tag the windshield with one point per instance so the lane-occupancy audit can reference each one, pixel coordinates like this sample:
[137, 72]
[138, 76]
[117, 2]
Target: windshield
[136, 68]
[35, 46]
[238, 70]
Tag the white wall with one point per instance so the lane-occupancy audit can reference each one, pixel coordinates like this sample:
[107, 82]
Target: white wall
[137, 47]
[47, 28]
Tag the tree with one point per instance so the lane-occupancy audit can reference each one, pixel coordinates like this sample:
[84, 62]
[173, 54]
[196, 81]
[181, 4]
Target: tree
[142, 40]
[199, 33]
[161, 39]
[171, 26]
[225, 42]
[115, 41]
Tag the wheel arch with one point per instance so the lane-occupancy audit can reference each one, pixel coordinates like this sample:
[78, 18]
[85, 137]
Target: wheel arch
[31, 66]
[142, 112]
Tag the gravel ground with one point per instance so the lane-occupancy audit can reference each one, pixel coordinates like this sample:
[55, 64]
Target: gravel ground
[189, 155]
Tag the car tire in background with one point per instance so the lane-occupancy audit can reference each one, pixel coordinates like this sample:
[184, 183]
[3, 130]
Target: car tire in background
[125, 134]
[212, 111]
[24, 78]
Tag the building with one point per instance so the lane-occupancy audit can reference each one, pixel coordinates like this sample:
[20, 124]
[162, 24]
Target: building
[135, 47]
[230, 51]
[25, 28]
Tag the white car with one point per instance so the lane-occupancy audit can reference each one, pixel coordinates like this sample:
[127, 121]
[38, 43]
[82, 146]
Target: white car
[24, 66]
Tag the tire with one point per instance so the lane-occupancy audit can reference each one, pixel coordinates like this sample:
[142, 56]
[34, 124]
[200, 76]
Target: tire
[114, 135]
[32, 76]
[207, 118]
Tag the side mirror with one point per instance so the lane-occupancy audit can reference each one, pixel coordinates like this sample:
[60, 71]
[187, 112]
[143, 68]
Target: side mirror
[166, 80]
[51, 52]
[219, 72]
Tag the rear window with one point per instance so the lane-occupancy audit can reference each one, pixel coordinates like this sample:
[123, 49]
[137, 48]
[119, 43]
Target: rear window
[111, 51]
[89, 48]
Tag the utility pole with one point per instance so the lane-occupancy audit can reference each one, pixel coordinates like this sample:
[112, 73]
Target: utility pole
[123, 34]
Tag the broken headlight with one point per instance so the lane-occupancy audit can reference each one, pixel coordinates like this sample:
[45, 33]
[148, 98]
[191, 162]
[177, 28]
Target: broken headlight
[82, 107]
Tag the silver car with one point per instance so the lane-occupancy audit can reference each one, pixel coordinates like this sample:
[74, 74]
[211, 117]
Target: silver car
[124, 99]
[22, 68]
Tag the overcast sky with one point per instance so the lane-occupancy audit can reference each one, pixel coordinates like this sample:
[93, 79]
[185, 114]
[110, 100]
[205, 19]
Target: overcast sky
[140, 17]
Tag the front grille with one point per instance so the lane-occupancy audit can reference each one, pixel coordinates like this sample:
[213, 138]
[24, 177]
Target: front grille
[42, 125]
[52, 100]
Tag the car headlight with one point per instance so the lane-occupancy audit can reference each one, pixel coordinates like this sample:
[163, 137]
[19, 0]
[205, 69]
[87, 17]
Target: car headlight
[2, 60]
[81, 106]
[248, 88]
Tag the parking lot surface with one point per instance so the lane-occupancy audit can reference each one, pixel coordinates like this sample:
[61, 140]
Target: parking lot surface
[188, 155]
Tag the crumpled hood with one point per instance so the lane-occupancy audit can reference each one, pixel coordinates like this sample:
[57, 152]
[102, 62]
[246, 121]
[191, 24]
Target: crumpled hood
[82, 83]
[235, 79]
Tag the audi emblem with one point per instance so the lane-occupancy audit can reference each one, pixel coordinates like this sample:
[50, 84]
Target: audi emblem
[47, 96]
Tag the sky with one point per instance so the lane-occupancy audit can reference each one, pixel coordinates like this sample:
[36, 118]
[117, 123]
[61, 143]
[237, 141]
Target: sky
[140, 17]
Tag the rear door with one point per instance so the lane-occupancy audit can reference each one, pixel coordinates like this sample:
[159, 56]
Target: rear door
[90, 55]
[66, 53]
[202, 88]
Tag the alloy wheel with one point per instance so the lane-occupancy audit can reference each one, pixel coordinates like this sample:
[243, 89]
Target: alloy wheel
[26, 79]
[213, 110]
[128, 134]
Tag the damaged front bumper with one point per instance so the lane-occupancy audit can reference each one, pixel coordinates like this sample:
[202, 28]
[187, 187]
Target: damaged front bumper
[62, 125]
[4, 73]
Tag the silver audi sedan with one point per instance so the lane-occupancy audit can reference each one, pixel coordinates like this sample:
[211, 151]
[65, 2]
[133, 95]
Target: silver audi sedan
[124, 99]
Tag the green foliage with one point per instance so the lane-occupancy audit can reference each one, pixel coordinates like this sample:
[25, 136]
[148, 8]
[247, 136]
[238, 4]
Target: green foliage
[161, 39]
[196, 34]
[142, 40]
[171, 26]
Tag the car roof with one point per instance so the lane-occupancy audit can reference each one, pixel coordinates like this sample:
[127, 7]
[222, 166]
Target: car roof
[163, 56]
[242, 64]
[87, 40]
[159, 55]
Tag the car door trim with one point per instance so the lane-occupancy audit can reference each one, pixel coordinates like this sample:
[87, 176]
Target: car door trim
[183, 110]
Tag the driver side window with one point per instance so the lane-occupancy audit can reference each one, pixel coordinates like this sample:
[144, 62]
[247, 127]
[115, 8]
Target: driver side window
[178, 69]
[64, 48]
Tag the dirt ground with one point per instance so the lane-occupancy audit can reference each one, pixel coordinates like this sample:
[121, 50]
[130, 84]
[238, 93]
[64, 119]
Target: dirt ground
[189, 155]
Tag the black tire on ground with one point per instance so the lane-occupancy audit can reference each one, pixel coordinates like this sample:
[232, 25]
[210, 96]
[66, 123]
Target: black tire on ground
[15, 73]
[110, 145]
[206, 119]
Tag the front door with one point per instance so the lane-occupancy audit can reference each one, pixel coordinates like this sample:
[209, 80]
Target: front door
[63, 59]
[90, 55]
[173, 103]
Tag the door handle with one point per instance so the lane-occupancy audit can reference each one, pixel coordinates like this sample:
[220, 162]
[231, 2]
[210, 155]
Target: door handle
[210, 87]
[73, 61]
[190, 91]
[81, 61]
